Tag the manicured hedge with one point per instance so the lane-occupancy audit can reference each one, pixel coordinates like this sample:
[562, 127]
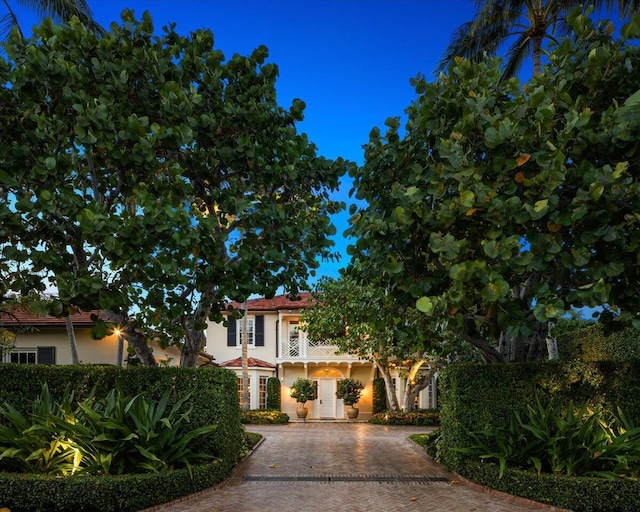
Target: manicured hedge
[34, 493]
[210, 388]
[273, 393]
[477, 397]
[379, 395]
[573, 493]
[213, 397]
[483, 397]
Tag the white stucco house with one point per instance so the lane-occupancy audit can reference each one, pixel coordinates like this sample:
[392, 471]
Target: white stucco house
[41, 339]
[278, 347]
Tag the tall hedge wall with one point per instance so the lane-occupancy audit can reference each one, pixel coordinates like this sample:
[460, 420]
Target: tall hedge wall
[379, 395]
[213, 397]
[477, 397]
[213, 394]
[273, 393]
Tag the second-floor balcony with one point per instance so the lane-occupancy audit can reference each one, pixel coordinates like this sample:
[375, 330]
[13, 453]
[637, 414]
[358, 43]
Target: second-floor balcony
[300, 347]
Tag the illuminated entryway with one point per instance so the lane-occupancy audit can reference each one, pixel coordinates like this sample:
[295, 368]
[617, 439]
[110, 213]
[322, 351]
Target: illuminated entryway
[329, 407]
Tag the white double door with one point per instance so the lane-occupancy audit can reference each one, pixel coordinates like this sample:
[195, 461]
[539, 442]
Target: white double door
[328, 406]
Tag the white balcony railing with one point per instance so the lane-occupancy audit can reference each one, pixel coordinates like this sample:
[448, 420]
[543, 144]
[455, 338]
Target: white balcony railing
[302, 348]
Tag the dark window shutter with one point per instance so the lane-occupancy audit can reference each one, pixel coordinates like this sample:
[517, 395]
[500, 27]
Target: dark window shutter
[231, 332]
[259, 334]
[46, 355]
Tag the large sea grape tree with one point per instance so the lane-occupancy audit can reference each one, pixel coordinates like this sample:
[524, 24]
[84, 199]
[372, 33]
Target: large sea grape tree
[503, 205]
[152, 178]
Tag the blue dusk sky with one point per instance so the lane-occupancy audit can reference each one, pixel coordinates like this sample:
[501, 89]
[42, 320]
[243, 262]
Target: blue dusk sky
[350, 61]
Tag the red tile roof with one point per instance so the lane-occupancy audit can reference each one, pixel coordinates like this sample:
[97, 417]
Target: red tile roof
[21, 317]
[277, 303]
[252, 362]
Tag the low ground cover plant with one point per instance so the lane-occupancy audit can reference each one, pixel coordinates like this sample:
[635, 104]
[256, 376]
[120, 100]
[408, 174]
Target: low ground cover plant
[251, 440]
[263, 416]
[425, 417]
[114, 435]
[563, 439]
[429, 442]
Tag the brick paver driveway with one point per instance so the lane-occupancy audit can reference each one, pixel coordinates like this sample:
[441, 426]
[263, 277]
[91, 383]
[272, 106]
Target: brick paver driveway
[344, 466]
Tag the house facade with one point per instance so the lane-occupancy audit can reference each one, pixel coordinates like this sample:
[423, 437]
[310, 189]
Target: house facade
[279, 347]
[44, 340]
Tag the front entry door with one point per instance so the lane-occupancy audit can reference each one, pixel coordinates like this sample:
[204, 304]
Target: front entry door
[327, 398]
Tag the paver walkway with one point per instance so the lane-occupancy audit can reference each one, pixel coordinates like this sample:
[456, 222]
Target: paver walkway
[348, 467]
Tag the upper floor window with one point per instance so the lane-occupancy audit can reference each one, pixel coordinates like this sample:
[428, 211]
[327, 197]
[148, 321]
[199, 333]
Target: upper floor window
[250, 331]
[255, 331]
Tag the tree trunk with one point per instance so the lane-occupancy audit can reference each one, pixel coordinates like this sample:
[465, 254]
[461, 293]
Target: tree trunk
[391, 392]
[415, 385]
[245, 360]
[72, 339]
[120, 353]
[135, 337]
[534, 347]
[489, 353]
[552, 344]
[139, 344]
[537, 51]
[504, 346]
[195, 339]
[194, 342]
[517, 349]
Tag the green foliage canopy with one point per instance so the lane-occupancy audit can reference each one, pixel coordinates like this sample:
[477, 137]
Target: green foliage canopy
[501, 206]
[144, 172]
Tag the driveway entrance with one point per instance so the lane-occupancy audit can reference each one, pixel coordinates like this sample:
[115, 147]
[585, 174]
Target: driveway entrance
[323, 467]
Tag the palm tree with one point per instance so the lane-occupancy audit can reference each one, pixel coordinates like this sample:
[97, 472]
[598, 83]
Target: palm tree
[245, 359]
[531, 22]
[58, 10]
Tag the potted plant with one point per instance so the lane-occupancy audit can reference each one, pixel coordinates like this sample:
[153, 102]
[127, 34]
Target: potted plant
[349, 391]
[302, 390]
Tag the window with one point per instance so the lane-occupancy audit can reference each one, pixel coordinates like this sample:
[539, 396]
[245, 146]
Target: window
[40, 355]
[255, 331]
[262, 392]
[250, 332]
[23, 356]
[241, 388]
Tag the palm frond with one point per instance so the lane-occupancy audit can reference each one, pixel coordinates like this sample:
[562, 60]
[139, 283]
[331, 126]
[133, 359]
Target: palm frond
[626, 7]
[516, 55]
[63, 10]
[490, 27]
[474, 39]
[7, 23]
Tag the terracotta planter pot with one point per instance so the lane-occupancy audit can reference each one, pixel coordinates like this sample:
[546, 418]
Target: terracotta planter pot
[352, 412]
[302, 412]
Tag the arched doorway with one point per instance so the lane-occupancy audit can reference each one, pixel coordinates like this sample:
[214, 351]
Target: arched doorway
[329, 407]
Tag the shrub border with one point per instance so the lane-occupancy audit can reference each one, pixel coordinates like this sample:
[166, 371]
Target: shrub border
[264, 417]
[422, 417]
[122, 493]
[582, 494]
